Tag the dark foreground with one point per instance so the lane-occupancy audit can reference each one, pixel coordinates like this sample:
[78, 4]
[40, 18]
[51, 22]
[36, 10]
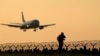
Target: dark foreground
[40, 54]
[51, 52]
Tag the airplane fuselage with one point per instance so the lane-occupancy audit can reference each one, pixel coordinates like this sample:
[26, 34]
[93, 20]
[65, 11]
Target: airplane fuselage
[30, 24]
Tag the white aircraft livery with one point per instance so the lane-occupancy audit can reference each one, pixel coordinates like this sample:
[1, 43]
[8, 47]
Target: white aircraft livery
[33, 24]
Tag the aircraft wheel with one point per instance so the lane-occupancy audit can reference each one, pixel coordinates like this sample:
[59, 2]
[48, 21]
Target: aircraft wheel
[24, 30]
[34, 30]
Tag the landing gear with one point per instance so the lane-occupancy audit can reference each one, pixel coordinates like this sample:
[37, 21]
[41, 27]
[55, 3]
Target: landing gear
[34, 30]
[24, 30]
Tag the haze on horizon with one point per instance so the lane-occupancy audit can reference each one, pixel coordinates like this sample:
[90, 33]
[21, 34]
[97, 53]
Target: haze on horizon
[78, 19]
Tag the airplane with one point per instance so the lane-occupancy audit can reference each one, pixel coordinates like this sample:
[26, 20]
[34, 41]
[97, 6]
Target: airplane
[33, 24]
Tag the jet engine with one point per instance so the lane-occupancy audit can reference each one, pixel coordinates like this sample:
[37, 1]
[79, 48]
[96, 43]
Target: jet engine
[41, 27]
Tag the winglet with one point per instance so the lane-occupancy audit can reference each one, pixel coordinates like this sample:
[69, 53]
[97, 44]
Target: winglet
[23, 17]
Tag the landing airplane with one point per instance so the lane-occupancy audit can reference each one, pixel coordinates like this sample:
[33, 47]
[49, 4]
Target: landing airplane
[33, 24]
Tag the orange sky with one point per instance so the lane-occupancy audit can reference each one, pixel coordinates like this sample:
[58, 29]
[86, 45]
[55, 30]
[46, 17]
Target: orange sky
[78, 19]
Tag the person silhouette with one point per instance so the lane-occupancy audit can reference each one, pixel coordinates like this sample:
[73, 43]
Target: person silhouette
[61, 39]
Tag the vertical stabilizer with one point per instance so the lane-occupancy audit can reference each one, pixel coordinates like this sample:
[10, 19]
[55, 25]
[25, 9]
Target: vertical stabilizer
[23, 17]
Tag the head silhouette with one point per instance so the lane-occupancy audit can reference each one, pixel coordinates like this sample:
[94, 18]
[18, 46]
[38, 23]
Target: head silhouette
[62, 33]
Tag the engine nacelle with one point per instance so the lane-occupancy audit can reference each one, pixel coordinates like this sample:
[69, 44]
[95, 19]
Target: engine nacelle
[41, 27]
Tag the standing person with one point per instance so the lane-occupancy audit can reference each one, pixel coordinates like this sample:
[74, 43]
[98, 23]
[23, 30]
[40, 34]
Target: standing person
[61, 39]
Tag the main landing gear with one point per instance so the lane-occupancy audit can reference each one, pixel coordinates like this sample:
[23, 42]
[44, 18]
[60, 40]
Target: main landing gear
[34, 30]
[24, 30]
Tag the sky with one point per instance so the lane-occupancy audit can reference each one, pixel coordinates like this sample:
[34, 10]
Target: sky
[78, 19]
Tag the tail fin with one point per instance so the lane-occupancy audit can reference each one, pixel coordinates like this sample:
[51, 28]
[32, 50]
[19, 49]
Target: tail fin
[23, 18]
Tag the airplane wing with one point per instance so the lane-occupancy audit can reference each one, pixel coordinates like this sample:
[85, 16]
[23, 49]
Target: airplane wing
[10, 25]
[17, 23]
[42, 26]
[47, 25]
